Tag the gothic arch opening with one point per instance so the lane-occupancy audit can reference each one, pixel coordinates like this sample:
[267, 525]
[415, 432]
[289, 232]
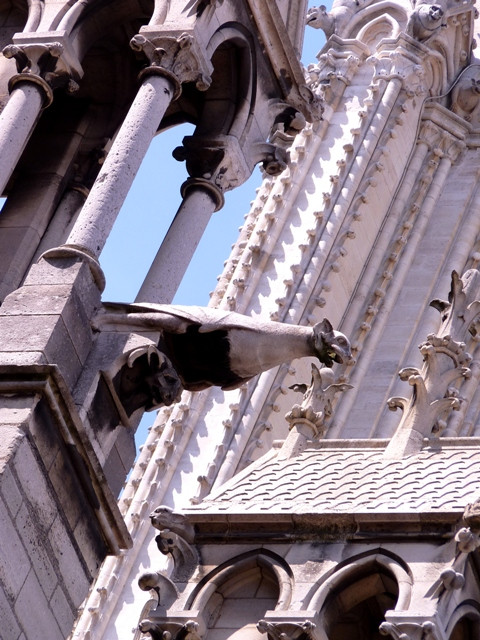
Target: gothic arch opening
[356, 608]
[465, 623]
[465, 629]
[352, 600]
[236, 605]
[236, 595]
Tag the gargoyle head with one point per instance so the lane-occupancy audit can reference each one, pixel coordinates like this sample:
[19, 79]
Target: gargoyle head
[148, 380]
[331, 346]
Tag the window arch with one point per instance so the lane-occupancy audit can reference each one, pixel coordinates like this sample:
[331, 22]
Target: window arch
[353, 600]
[465, 622]
[236, 595]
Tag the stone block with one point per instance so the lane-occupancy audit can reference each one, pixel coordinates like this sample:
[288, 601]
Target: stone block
[35, 542]
[70, 564]
[41, 334]
[14, 561]
[90, 540]
[66, 271]
[33, 609]
[62, 612]
[10, 492]
[10, 627]
[31, 477]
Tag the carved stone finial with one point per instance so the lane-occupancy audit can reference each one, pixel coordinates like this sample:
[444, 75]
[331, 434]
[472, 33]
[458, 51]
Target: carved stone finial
[426, 412]
[317, 400]
[308, 420]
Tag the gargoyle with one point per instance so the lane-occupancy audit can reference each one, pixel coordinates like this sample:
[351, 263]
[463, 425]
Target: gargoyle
[338, 19]
[175, 539]
[210, 347]
[425, 20]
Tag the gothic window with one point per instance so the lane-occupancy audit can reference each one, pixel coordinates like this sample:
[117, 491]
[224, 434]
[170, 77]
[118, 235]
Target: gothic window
[467, 628]
[357, 605]
[239, 603]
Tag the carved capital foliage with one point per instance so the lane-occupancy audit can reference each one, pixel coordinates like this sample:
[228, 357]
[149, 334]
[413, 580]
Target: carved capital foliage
[180, 58]
[410, 630]
[288, 630]
[402, 65]
[164, 629]
[335, 69]
[44, 64]
[217, 159]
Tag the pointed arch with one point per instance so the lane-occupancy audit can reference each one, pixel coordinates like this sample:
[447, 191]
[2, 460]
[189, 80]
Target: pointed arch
[464, 623]
[242, 564]
[356, 595]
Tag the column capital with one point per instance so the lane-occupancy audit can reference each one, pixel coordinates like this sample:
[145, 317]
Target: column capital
[176, 56]
[45, 59]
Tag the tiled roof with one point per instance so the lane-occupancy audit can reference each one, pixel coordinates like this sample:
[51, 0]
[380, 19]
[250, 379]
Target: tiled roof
[348, 480]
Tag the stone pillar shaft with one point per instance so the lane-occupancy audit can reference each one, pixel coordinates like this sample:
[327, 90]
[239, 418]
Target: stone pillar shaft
[107, 195]
[17, 121]
[178, 246]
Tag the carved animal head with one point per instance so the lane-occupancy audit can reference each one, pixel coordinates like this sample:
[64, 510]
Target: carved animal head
[319, 18]
[435, 13]
[331, 346]
[148, 380]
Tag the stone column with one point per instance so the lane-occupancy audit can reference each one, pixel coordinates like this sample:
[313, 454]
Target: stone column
[172, 61]
[40, 70]
[200, 200]
[216, 164]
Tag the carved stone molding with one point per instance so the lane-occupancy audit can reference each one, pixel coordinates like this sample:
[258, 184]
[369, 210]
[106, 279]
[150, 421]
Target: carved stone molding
[179, 58]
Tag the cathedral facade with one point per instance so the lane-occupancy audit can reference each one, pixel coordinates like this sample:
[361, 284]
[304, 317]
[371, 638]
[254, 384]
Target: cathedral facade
[303, 501]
